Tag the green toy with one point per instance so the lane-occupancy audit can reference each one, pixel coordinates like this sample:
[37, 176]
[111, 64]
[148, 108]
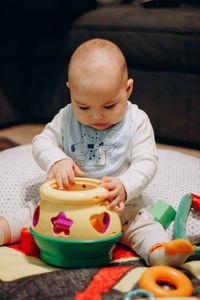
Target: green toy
[179, 230]
[163, 213]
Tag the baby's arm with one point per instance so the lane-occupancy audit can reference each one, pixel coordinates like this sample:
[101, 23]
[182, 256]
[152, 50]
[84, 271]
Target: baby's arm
[143, 158]
[142, 168]
[49, 154]
[47, 147]
[142, 164]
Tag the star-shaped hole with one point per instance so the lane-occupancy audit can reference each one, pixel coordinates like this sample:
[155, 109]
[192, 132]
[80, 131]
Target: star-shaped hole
[61, 224]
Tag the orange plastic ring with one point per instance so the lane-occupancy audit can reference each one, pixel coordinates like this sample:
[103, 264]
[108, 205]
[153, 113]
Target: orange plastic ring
[149, 279]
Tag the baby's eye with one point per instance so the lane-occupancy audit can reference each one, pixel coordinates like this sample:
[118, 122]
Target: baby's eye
[109, 106]
[83, 107]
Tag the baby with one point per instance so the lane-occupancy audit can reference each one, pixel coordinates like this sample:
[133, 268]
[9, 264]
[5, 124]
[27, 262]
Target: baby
[102, 135]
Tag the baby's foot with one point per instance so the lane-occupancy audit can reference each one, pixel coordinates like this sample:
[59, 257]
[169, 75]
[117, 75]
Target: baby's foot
[173, 253]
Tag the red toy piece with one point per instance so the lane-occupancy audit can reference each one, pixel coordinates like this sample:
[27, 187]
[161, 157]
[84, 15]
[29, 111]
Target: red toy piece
[196, 202]
[28, 244]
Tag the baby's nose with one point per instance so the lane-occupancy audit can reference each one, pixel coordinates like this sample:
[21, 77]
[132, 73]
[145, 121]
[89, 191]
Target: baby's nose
[98, 114]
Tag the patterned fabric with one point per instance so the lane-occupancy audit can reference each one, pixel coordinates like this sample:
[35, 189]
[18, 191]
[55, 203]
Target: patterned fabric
[27, 277]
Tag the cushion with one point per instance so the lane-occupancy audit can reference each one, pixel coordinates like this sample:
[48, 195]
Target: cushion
[151, 38]
[20, 178]
[177, 174]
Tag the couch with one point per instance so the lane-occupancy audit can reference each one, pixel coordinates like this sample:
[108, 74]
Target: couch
[160, 40]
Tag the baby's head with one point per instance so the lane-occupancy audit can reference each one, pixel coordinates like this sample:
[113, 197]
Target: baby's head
[99, 84]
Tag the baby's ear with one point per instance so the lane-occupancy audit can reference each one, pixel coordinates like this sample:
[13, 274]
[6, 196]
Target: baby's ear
[67, 84]
[129, 87]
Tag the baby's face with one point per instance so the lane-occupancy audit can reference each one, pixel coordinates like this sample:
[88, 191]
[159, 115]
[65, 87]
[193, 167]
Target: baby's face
[101, 101]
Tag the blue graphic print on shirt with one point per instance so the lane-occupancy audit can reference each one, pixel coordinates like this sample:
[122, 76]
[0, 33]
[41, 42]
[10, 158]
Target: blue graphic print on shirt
[97, 152]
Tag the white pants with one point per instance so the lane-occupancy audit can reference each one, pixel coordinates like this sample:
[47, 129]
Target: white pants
[142, 232]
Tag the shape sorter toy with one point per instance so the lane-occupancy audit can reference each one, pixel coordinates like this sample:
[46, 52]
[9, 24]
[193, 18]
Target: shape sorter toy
[73, 227]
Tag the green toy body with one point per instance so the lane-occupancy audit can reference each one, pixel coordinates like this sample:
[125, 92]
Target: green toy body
[75, 254]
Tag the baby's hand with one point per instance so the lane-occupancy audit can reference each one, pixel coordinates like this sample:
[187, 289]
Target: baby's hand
[116, 194]
[64, 172]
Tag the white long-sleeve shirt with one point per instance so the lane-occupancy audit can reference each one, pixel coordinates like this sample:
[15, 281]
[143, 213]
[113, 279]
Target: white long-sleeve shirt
[137, 170]
[140, 163]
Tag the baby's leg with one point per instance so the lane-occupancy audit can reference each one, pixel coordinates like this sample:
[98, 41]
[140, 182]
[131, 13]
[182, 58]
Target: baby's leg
[4, 231]
[143, 232]
[16, 220]
[149, 240]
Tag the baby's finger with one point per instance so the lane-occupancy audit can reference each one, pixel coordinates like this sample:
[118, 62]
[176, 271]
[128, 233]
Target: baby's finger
[71, 177]
[106, 179]
[112, 194]
[121, 207]
[109, 185]
[113, 204]
[59, 181]
[77, 170]
[65, 180]
[49, 176]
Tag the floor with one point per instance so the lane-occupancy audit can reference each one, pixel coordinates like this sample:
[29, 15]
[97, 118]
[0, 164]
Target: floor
[23, 134]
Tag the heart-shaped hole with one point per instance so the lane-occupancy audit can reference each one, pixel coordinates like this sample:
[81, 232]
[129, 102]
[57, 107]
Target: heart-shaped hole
[100, 222]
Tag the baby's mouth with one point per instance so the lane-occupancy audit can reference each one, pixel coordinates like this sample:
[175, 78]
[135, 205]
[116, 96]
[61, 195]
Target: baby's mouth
[100, 124]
